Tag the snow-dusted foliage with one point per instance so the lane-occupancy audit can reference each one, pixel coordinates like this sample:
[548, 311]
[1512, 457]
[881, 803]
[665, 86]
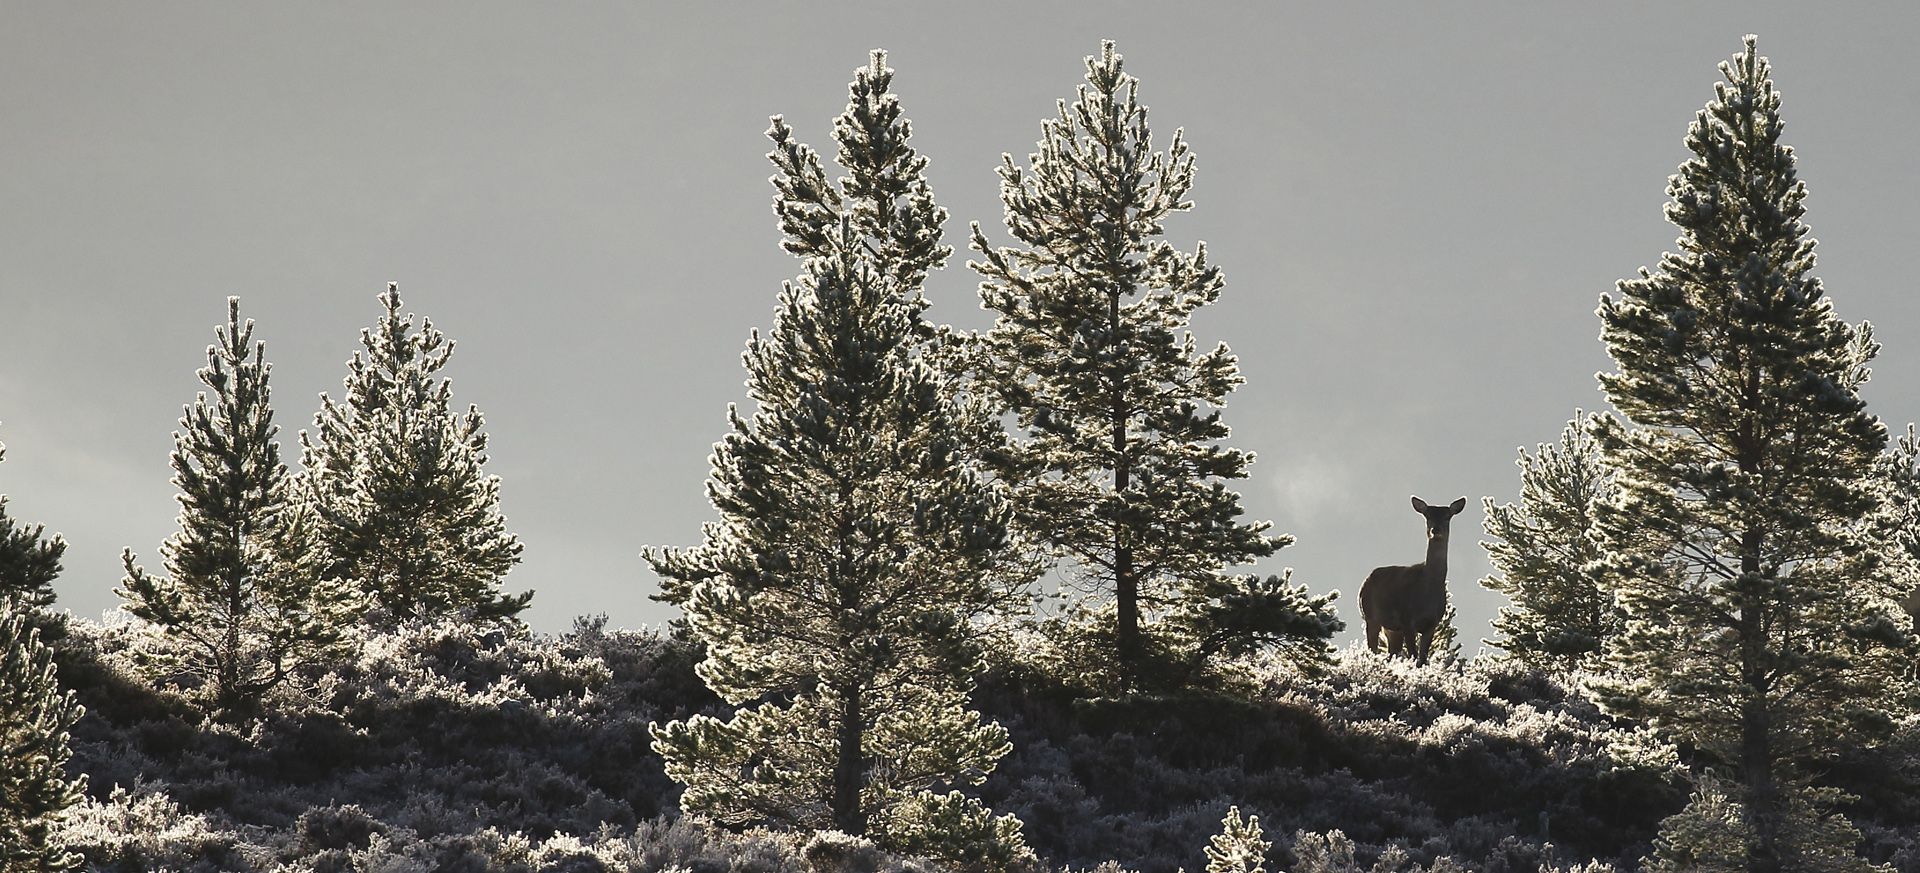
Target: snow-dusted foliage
[239, 593]
[35, 717]
[1239, 847]
[443, 744]
[1118, 466]
[1488, 762]
[837, 593]
[434, 733]
[1543, 552]
[1761, 629]
[1898, 524]
[1714, 833]
[401, 506]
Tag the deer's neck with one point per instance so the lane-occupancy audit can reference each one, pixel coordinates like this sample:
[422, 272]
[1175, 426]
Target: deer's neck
[1436, 561]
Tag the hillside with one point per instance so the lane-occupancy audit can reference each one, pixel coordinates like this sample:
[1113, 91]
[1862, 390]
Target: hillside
[444, 748]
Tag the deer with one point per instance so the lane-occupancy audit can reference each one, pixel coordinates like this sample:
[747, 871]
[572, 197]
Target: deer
[1406, 603]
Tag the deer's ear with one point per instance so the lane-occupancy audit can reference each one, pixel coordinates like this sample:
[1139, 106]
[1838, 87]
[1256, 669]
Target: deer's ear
[1458, 506]
[1419, 505]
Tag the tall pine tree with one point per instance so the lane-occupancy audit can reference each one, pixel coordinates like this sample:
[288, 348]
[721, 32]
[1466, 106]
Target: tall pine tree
[394, 478]
[35, 717]
[1543, 551]
[1758, 631]
[836, 594]
[29, 561]
[1118, 467]
[234, 596]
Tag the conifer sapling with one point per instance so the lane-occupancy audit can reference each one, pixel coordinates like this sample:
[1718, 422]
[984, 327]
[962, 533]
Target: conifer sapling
[239, 598]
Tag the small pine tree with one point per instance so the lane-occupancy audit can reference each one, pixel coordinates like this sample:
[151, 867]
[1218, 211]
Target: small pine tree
[1446, 636]
[235, 597]
[29, 561]
[393, 475]
[1543, 552]
[1239, 847]
[1759, 623]
[35, 716]
[836, 595]
[1119, 469]
[1712, 835]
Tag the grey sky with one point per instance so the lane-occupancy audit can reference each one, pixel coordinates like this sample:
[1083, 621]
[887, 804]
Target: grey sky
[1417, 206]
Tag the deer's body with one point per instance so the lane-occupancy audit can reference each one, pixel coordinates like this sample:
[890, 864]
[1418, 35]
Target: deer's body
[1406, 603]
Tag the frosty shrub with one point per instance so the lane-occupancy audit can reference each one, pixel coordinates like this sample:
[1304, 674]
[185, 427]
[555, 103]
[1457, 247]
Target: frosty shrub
[831, 851]
[1445, 761]
[432, 730]
[143, 829]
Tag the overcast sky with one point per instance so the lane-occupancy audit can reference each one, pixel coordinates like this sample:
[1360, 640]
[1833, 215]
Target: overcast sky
[1417, 207]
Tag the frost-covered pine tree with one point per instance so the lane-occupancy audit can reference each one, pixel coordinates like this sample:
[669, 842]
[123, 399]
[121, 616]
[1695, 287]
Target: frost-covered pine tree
[234, 599]
[35, 716]
[836, 594]
[1118, 466]
[1758, 630]
[393, 473]
[1239, 847]
[29, 561]
[1543, 550]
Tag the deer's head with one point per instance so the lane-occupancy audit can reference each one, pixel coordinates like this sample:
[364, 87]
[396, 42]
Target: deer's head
[1439, 518]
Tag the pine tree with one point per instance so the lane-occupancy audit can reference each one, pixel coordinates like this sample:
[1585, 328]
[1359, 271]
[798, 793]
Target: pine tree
[35, 716]
[1758, 627]
[1239, 847]
[1543, 551]
[235, 599]
[393, 474]
[836, 594]
[1446, 636]
[1119, 469]
[29, 562]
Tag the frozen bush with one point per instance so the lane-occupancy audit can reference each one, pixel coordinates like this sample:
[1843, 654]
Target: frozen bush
[836, 852]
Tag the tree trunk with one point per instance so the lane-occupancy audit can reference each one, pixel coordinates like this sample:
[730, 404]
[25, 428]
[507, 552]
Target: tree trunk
[1126, 583]
[850, 769]
[1762, 801]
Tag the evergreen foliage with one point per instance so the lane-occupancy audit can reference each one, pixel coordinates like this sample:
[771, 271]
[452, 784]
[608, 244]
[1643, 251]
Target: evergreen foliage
[393, 474]
[1446, 636]
[1118, 468]
[1898, 524]
[35, 716]
[1759, 627]
[837, 593]
[1239, 847]
[1543, 553]
[29, 562]
[239, 595]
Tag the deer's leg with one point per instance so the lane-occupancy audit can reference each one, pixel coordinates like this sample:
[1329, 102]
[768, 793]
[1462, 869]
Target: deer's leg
[1424, 643]
[1373, 634]
[1396, 642]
